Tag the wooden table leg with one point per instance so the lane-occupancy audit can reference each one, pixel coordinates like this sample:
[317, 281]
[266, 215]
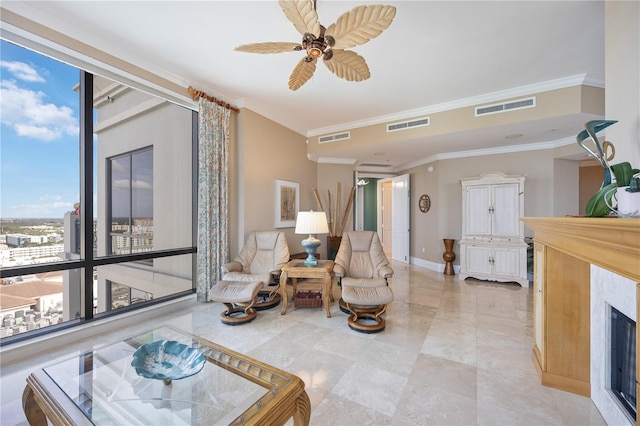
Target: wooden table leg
[294, 285]
[302, 415]
[283, 292]
[331, 299]
[32, 410]
[326, 293]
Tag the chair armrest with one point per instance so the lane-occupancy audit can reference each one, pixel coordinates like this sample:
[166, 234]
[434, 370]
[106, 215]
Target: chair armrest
[338, 271]
[385, 272]
[274, 273]
[231, 267]
[277, 269]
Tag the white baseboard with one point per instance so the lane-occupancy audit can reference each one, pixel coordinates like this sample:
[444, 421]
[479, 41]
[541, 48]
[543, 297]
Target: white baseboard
[434, 266]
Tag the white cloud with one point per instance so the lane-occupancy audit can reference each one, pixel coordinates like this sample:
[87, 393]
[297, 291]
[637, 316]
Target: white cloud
[50, 197]
[27, 112]
[22, 71]
[55, 209]
[136, 184]
[141, 184]
[117, 166]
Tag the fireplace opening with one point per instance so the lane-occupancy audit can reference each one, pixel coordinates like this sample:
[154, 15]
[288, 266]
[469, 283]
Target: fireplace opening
[623, 360]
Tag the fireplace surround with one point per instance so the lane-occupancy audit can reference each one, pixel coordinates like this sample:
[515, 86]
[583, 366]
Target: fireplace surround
[571, 254]
[608, 290]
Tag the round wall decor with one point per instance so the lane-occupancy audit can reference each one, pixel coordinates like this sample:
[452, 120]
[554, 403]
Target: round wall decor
[424, 203]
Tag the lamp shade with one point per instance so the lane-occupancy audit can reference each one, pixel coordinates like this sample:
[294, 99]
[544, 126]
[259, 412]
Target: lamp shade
[311, 223]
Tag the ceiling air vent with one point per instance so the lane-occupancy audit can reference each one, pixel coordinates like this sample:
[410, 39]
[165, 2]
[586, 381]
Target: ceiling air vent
[507, 106]
[394, 127]
[333, 138]
[374, 165]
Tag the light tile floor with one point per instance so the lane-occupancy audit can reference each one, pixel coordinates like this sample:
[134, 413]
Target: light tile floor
[453, 353]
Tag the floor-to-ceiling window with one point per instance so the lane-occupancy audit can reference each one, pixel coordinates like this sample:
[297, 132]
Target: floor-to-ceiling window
[96, 214]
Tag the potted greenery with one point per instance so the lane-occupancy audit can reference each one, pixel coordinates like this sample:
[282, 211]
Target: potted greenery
[626, 180]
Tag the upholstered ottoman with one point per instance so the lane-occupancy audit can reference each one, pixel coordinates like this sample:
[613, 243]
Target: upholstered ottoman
[366, 303]
[239, 298]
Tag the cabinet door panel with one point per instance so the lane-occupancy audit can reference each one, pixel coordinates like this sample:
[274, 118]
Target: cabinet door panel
[506, 261]
[506, 202]
[478, 259]
[478, 220]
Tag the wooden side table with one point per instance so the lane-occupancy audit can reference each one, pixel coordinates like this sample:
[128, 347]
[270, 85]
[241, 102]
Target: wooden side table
[297, 269]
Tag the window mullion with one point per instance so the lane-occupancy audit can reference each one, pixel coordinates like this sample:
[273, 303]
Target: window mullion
[130, 203]
[86, 187]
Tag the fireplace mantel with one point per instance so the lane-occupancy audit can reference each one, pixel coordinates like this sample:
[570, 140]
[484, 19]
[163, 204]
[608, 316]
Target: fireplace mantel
[611, 243]
[564, 250]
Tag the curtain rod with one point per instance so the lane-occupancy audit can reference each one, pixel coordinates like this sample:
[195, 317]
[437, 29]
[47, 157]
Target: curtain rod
[195, 94]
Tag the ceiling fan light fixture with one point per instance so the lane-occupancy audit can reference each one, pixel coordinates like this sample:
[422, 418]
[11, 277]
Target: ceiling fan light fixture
[314, 50]
[351, 29]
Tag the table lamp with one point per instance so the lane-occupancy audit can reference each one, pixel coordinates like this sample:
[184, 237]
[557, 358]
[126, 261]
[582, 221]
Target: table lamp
[311, 223]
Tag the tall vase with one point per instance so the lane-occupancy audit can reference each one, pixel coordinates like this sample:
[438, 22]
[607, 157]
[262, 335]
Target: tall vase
[333, 244]
[449, 256]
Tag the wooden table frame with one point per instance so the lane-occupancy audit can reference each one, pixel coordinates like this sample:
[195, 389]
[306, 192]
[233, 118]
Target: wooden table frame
[296, 269]
[42, 399]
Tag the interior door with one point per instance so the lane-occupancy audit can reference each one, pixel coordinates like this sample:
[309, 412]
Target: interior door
[400, 218]
[386, 207]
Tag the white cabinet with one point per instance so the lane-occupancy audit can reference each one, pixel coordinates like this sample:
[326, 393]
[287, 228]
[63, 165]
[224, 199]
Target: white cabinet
[492, 246]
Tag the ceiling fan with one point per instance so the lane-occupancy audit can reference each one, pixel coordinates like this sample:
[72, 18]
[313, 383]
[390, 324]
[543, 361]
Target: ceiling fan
[352, 28]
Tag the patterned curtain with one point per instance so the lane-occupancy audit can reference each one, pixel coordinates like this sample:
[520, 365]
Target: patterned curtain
[213, 171]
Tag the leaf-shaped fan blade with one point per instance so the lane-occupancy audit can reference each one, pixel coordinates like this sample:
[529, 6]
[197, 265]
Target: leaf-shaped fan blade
[302, 14]
[301, 73]
[360, 25]
[269, 47]
[348, 65]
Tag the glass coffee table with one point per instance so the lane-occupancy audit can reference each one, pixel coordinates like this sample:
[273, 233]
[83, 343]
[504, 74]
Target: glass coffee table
[101, 387]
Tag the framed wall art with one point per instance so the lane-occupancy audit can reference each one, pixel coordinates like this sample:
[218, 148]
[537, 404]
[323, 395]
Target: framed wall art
[287, 203]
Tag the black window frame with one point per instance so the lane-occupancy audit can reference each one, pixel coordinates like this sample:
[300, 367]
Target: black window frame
[109, 197]
[88, 258]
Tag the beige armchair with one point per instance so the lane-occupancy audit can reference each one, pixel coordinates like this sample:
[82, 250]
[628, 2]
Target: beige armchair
[262, 257]
[363, 271]
[244, 287]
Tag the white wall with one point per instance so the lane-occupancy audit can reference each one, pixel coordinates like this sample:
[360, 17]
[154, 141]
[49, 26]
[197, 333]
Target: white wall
[135, 120]
[622, 80]
[566, 194]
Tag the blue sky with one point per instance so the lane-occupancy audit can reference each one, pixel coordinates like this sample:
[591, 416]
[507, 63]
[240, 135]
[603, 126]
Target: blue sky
[39, 150]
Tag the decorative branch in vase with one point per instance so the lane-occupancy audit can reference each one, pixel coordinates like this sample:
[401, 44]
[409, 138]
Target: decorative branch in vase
[336, 222]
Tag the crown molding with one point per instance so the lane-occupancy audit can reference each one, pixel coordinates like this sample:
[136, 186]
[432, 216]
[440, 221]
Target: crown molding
[451, 155]
[545, 86]
[488, 151]
[331, 160]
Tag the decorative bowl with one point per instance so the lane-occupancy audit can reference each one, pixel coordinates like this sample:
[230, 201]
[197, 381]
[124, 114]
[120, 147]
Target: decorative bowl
[167, 360]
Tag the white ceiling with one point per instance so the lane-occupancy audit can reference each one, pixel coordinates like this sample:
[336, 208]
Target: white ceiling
[434, 55]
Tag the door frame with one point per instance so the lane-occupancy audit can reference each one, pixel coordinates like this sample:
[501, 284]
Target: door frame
[357, 214]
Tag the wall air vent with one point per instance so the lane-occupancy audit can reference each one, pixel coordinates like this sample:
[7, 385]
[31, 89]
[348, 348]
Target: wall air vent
[335, 137]
[394, 127]
[374, 165]
[507, 106]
